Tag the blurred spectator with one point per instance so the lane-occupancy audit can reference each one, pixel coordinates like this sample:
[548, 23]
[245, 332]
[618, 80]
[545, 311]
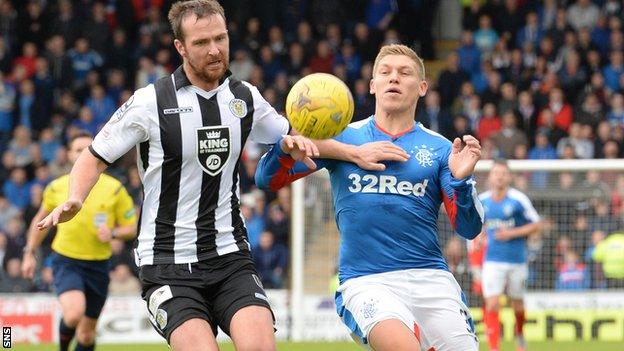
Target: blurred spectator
[486, 37]
[509, 138]
[366, 42]
[561, 110]
[96, 29]
[350, 59]
[7, 103]
[278, 223]
[86, 121]
[271, 65]
[509, 100]
[554, 133]
[454, 253]
[101, 105]
[542, 150]
[122, 281]
[583, 14]
[583, 148]
[469, 54]
[433, 116]
[531, 33]
[83, 59]
[364, 101]
[450, 80]
[598, 280]
[489, 123]
[15, 234]
[16, 189]
[615, 116]
[610, 252]
[65, 24]
[7, 211]
[379, 13]
[60, 165]
[148, 72]
[613, 72]
[242, 65]
[12, 281]
[572, 77]
[602, 219]
[45, 281]
[590, 112]
[270, 258]
[255, 223]
[572, 274]
[323, 60]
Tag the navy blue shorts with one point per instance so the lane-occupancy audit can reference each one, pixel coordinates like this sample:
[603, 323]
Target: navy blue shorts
[90, 277]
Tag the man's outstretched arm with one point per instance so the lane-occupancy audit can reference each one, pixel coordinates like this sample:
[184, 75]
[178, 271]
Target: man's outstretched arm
[84, 174]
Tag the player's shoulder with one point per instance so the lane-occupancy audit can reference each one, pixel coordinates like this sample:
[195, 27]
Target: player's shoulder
[358, 125]
[58, 184]
[432, 136]
[486, 195]
[518, 195]
[144, 96]
[109, 182]
[355, 131]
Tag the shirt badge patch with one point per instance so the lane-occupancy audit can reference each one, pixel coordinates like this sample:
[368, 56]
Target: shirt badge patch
[238, 108]
[423, 155]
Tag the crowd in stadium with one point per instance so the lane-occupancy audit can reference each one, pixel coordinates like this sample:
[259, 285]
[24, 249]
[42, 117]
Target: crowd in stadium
[531, 80]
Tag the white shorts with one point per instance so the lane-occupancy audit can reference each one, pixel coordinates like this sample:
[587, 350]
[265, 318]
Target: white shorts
[498, 275]
[427, 301]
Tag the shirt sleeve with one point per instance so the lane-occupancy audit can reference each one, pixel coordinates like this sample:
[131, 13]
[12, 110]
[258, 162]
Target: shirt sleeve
[268, 125]
[461, 202]
[125, 213]
[127, 127]
[528, 211]
[277, 169]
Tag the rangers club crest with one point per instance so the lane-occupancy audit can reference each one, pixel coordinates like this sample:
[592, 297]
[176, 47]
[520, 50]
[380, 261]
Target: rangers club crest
[238, 108]
[213, 148]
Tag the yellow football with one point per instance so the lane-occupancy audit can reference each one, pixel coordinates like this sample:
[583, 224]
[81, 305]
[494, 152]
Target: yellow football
[319, 106]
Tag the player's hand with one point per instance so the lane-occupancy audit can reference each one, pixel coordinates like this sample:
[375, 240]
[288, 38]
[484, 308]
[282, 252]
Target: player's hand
[104, 234]
[503, 235]
[301, 149]
[463, 160]
[29, 263]
[62, 213]
[370, 155]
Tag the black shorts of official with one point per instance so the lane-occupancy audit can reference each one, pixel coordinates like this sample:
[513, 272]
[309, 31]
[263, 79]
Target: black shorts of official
[212, 290]
[90, 277]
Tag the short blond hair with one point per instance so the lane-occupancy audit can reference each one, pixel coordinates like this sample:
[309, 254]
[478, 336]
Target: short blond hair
[398, 49]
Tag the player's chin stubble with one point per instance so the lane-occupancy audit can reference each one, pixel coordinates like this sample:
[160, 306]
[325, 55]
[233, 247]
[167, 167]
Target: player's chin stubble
[208, 75]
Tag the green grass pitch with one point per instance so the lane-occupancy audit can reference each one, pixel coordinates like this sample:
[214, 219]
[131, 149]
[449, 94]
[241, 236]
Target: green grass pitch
[349, 346]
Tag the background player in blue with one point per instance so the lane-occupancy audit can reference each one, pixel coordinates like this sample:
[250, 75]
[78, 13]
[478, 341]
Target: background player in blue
[509, 219]
[396, 292]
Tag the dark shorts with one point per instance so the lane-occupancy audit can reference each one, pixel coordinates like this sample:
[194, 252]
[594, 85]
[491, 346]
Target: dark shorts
[212, 290]
[90, 277]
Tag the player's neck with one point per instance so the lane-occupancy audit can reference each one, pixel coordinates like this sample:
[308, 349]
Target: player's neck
[394, 124]
[197, 81]
[499, 194]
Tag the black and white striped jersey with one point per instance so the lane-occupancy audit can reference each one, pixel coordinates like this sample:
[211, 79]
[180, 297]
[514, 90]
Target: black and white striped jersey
[189, 143]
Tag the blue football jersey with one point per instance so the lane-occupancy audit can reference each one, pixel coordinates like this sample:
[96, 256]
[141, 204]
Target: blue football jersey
[388, 219]
[514, 210]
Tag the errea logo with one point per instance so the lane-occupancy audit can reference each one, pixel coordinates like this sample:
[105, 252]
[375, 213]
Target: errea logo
[385, 184]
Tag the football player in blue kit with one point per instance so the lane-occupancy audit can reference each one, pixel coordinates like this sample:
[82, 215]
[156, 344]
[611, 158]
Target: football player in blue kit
[396, 291]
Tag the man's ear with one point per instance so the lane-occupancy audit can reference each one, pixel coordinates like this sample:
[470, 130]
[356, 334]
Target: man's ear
[179, 47]
[371, 86]
[422, 88]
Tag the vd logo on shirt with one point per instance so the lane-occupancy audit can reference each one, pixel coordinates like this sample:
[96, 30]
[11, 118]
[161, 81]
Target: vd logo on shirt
[213, 148]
